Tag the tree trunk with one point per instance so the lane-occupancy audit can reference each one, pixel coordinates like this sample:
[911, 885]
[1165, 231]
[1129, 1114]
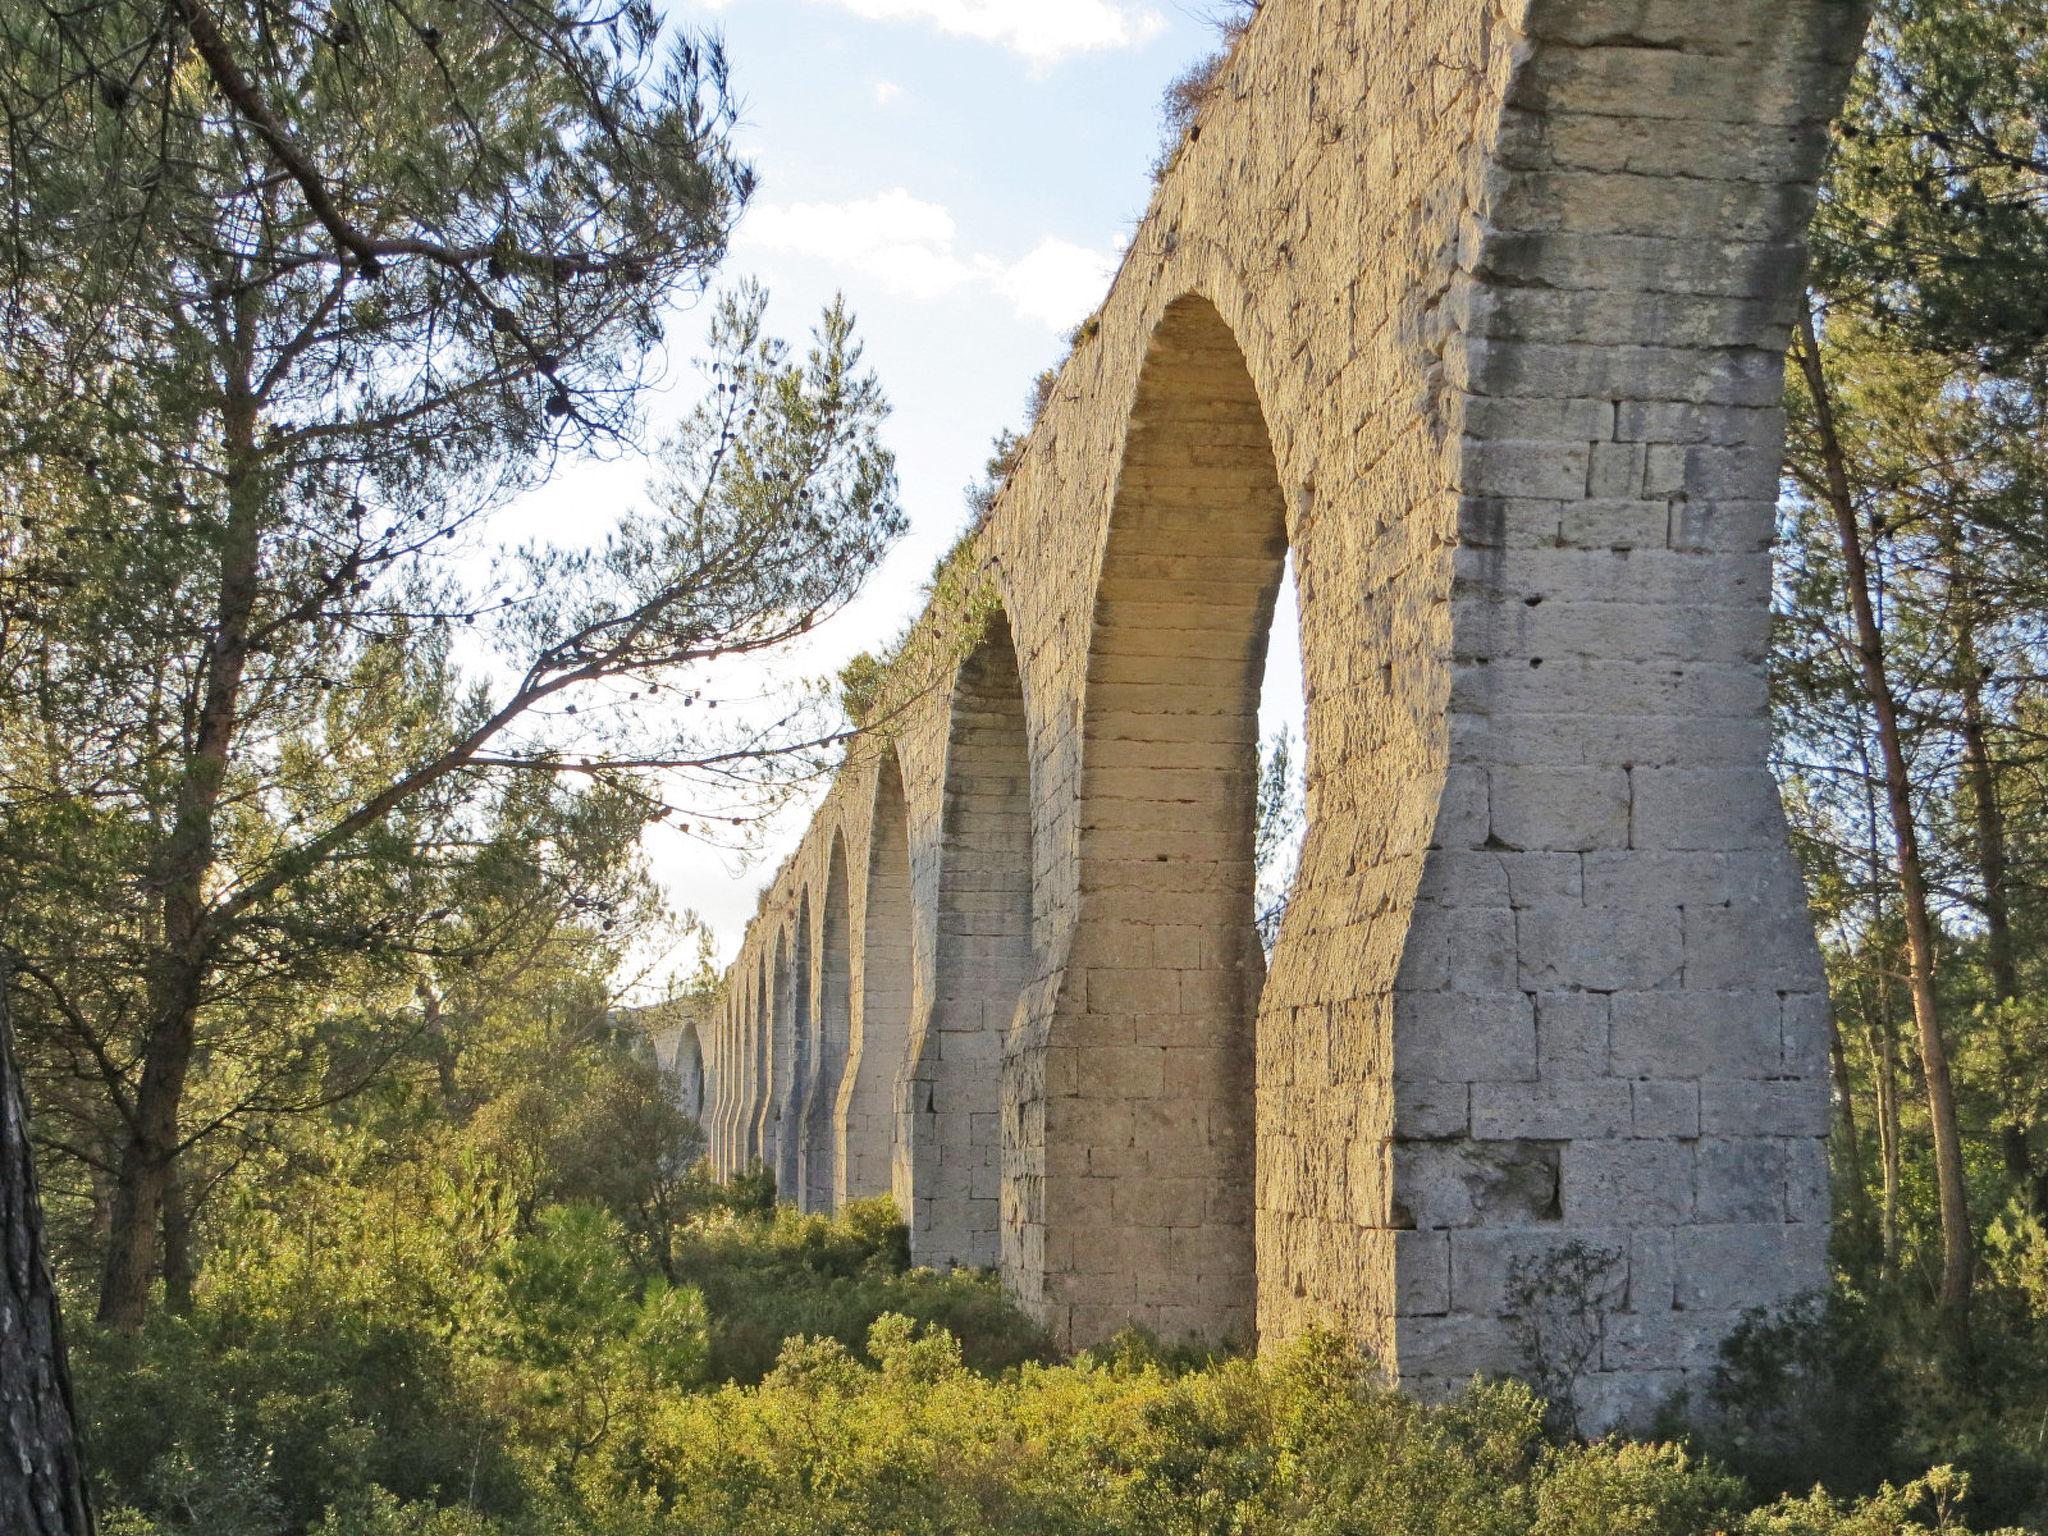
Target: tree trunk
[1883, 1040]
[1958, 1244]
[178, 1214]
[42, 1475]
[1988, 826]
[1852, 1143]
[185, 862]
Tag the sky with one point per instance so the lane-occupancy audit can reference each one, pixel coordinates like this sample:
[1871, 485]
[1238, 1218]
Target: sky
[966, 173]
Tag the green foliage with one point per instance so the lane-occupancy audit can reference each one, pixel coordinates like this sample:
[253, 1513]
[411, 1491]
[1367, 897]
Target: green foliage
[768, 1278]
[1181, 104]
[574, 1398]
[1282, 819]
[1901, 1511]
[1558, 1301]
[1805, 1397]
[1938, 219]
[1930, 349]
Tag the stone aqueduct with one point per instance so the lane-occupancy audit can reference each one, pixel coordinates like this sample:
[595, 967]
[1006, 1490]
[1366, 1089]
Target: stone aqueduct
[1479, 307]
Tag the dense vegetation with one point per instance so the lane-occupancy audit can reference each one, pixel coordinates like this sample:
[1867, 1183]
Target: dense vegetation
[529, 1317]
[320, 865]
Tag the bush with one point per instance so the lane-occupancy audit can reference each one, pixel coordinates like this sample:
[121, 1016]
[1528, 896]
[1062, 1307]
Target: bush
[1803, 1397]
[439, 1368]
[769, 1278]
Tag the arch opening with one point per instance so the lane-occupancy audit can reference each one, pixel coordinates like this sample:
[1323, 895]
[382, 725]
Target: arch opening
[949, 1170]
[686, 1074]
[1163, 1013]
[791, 1053]
[865, 1121]
[721, 1080]
[1281, 824]
[759, 1149]
[829, 1037]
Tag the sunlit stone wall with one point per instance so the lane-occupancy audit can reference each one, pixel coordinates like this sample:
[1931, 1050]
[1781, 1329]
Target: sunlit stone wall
[1478, 307]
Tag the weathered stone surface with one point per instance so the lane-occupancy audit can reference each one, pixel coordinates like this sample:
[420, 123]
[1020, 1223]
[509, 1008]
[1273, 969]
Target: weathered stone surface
[1476, 307]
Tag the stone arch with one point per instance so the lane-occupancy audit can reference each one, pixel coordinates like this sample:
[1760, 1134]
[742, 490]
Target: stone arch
[865, 1121]
[720, 1092]
[687, 1072]
[760, 1148]
[1546, 978]
[790, 1048]
[948, 1170]
[1148, 1209]
[733, 1080]
[820, 1150]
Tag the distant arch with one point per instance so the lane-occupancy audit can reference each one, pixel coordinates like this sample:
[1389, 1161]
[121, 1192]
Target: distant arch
[950, 1160]
[760, 1148]
[789, 1051]
[733, 1089]
[866, 1120]
[829, 1037]
[722, 1077]
[686, 1073]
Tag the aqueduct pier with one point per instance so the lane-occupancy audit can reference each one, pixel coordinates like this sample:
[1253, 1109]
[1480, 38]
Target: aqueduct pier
[1479, 308]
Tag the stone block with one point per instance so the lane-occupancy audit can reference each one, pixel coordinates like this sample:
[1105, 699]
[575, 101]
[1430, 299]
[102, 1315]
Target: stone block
[1733, 1267]
[1542, 879]
[1791, 1107]
[1615, 471]
[1452, 1350]
[1426, 1110]
[1548, 1111]
[1804, 1034]
[1711, 527]
[1611, 1182]
[1652, 1270]
[1600, 949]
[1730, 948]
[1742, 1179]
[1541, 469]
[1462, 819]
[1665, 1109]
[1678, 1034]
[1626, 1401]
[1808, 1192]
[1501, 1274]
[1422, 1273]
[1620, 520]
[1666, 1340]
[1464, 1037]
[1636, 877]
[1710, 809]
[1571, 1035]
[1482, 950]
[1566, 809]
[1443, 1184]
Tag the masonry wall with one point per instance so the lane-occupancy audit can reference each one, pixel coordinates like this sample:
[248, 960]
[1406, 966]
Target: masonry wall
[1479, 308]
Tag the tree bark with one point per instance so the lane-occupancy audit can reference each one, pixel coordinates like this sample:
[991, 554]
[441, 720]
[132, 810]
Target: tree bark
[42, 1475]
[1993, 868]
[177, 1239]
[1884, 1049]
[1958, 1243]
[178, 985]
[1852, 1142]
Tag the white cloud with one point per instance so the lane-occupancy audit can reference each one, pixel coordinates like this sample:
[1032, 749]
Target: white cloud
[910, 248]
[1043, 31]
[886, 91]
[1058, 283]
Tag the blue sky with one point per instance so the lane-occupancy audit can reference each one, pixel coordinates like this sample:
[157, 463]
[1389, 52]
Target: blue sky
[966, 173]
